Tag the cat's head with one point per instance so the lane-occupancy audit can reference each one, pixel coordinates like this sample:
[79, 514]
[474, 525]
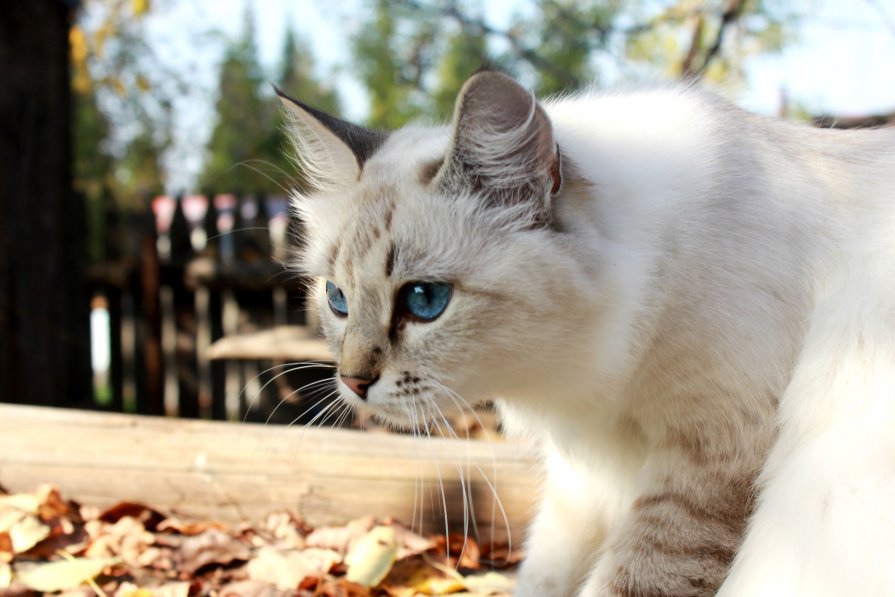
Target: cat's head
[440, 272]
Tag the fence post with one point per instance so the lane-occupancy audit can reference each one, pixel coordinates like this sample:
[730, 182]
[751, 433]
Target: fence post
[149, 370]
[184, 312]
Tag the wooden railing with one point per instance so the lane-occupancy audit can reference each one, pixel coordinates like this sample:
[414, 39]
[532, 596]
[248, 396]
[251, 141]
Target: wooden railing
[188, 272]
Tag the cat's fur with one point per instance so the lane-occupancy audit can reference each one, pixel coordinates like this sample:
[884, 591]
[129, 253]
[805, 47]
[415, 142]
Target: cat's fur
[689, 307]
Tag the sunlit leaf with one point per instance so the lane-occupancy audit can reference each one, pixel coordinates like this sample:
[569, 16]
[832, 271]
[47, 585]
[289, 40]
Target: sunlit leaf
[371, 558]
[5, 575]
[27, 532]
[63, 574]
[118, 86]
[286, 569]
[78, 43]
[417, 576]
[140, 7]
[491, 582]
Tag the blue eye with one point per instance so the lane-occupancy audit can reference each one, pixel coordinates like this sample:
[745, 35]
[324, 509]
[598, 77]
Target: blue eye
[425, 300]
[337, 301]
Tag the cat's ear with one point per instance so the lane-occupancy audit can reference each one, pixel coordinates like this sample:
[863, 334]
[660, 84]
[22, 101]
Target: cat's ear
[330, 151]
[502, 143]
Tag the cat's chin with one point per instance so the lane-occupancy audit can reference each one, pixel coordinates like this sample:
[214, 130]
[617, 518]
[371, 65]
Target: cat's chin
[415, 417]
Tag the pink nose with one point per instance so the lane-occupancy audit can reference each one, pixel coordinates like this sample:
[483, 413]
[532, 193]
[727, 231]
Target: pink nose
[358, 385]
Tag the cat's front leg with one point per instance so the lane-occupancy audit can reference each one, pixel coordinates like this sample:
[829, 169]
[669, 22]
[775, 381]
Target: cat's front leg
[681, 533]
[566, 534]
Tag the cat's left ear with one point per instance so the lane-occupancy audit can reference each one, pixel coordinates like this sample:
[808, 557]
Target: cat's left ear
[330, 150]
[502, 144]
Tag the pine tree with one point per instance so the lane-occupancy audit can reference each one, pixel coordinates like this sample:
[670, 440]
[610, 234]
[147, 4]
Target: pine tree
[296, 77]
[466, 53]
[393, 55]
[244, 120]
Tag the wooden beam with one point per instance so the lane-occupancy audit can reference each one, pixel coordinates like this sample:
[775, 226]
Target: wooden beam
[285, 343]
[239, 472]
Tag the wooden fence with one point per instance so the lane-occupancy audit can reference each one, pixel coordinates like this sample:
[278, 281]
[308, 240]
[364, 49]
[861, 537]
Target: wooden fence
[181, 276]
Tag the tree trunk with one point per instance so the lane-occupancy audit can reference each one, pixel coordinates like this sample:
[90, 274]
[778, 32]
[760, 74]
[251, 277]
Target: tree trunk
[44, 322]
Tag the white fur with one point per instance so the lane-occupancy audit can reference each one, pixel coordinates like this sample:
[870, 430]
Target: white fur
[718, 275]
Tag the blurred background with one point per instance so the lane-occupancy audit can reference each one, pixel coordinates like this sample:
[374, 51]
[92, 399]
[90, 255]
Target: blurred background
[144, 227]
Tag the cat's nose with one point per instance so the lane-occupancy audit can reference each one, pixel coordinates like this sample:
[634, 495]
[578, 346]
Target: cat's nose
[358, 385]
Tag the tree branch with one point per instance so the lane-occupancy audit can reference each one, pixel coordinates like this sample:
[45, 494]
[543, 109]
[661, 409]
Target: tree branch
[731, 14]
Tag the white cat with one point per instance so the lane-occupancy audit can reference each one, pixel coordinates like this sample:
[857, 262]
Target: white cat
[689, 307]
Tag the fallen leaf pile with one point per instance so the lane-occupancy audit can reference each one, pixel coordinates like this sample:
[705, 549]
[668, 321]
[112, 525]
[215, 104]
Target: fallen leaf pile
[52, 545]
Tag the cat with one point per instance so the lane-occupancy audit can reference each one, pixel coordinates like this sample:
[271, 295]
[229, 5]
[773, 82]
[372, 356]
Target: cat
[689, 308]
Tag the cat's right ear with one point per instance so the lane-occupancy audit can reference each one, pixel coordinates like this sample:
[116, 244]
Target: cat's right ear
[502, 145]
[330, 151]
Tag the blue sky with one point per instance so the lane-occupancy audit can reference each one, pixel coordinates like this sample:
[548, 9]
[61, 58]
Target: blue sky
[843, 61]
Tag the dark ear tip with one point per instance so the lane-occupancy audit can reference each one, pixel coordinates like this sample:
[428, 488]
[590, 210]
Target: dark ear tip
[283, 95]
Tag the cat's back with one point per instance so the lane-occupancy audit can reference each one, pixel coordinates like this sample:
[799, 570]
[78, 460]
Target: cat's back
[662, 148]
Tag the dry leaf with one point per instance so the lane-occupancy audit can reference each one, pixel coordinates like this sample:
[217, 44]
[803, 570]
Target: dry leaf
[281, 529]
[286, 569]
[211, 547]
[6, 553]
[5, 575]
[129, 589]
[490, 583]
[372, 556]
[410, 543]
[149, 517]
[284, 556]
[188, 527]
[340, 538]
[415, 576]
[127, 538]
[171, 589]
[52, 506]
[62, 574]
[27, 532]
[339, 587]
[253, 588]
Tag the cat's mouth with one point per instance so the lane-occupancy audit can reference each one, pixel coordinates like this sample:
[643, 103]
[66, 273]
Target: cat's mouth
[406, 410]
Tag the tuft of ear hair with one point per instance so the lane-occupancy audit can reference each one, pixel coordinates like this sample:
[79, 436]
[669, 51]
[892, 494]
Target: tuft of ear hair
[502, 144]
[330, 151]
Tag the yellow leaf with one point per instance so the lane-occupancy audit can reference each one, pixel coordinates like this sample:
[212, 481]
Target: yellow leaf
[27, 532]
[490, 582]
[420, 576]
[142, 83]
[81, 81]
[371, 558]
[62, 574]
[118, 86]
[5, 575]
[140, 7]
[104, 33]
[78, 42]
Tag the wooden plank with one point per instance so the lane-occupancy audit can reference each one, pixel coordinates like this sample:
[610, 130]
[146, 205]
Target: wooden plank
[239, 472]
[280, 343]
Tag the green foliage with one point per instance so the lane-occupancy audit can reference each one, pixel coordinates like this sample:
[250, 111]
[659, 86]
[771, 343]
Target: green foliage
[244, 120]
[466, 53]
[711, 38]
[140, 174]
[248, 149]
[111, 61]
[296, 77]
[392, 54]
[409, 50]
[567, 35]
[93, 163]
